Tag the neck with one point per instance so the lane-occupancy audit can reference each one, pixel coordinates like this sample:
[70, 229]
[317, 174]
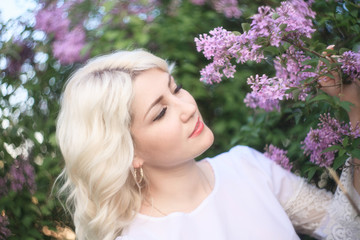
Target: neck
[179, 181]
[179, 188]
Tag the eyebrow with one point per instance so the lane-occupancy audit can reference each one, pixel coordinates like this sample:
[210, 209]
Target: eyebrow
[158, 99]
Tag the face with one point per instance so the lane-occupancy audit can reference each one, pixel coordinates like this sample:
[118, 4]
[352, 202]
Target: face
[167, 127]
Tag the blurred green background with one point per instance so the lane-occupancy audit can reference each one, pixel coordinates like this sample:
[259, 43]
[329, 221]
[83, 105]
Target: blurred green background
[32, 79]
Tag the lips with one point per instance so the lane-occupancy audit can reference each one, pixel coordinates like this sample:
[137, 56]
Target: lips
[198, 128]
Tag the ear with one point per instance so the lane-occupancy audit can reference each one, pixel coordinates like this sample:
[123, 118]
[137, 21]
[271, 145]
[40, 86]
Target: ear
[137, 162]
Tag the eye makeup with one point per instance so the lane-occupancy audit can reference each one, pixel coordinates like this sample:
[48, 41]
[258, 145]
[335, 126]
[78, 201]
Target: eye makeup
[161, 114]
[178, 88]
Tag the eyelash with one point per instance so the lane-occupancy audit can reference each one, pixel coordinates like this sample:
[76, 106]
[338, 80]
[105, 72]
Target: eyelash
[163, 111]
[178, 88]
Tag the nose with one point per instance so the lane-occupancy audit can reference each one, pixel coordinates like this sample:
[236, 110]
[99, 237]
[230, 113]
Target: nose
[187, 109]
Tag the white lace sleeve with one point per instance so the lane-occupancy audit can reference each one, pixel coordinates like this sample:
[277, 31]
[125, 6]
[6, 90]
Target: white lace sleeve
[308, 207]
[324, 215]
[342, 221]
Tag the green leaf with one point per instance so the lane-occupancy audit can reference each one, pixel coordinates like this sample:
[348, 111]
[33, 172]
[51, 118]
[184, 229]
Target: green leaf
[313, 62]
[245, 27]
[282, 26]
[330, 51]
[326, 61]
[342, 50]
[286, 45]
[332, 148]
[339, 161]
[342, 152]
[345, 105]
[356, 143]
[311, 173]
[271, 49]
[275, 16]
[328, 75]
[345, 141]
[309, 70]
[320, 97]
[355, 153]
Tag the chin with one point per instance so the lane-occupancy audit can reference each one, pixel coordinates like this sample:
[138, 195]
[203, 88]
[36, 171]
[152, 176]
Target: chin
[208, 141]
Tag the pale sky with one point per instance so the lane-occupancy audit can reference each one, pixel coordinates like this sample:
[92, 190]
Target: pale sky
[15, 8]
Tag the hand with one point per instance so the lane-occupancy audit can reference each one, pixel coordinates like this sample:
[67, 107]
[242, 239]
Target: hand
[345, 92]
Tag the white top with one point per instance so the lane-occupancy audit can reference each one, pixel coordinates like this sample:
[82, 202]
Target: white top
[254, 198]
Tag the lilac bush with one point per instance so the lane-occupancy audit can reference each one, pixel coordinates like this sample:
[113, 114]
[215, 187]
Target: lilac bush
[21, 175]
[330, 132]
[230, 8]
[350, 64]
[290, 23]
[4, 231]
[282, 36]
[279, 156]
[266, 92]
[68, 42]
[25, 53]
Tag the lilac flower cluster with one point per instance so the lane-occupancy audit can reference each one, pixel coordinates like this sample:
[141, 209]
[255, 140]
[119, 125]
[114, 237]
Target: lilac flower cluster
[289, 22]
[330, 132]
[216, 46]
[279, 156]
[266, 92]
[198, 2]
[351, 64]
[4, 231]
[24, 51]
[68, 42]
[142, 8]
[289, 67]
[21, 174]
[229, 8]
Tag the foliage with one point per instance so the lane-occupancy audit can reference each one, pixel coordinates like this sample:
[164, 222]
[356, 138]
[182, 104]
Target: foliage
[36, 62]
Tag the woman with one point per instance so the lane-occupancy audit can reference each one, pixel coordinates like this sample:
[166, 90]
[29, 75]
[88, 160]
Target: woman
[129, 135]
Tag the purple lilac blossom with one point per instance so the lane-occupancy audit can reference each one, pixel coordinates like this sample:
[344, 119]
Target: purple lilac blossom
[22, 175]
[291, 21]
[266, 93]
[279, 156]
[4, 231]
[198, 2]
[329, 133]
[68, 43]
[351, 64]
[215, 46]
[3, 186]
[24, 51]
[289, 68]
[138, 7]
[68, 48]
[230, 8]
[52, 20]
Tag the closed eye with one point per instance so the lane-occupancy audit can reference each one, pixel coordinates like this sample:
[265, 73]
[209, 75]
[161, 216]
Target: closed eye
[178, 88]
[161, 114]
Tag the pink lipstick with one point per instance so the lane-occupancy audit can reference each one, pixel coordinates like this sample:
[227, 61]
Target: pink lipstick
[198, 128]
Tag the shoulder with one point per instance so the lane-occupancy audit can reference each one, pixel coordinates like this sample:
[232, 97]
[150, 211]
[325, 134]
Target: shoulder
[122, 238]
[247, 161]
[240, 154]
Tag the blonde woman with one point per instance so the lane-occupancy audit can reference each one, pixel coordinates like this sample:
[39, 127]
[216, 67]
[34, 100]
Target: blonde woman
[129, 135]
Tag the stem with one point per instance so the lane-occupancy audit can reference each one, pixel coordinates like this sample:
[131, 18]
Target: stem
[337, 180]
[304, 48]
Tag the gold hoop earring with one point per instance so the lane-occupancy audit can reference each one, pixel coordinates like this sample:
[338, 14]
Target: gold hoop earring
[138, 171]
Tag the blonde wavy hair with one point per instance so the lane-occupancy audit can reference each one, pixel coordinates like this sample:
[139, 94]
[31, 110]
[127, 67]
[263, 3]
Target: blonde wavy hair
[93, 132]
